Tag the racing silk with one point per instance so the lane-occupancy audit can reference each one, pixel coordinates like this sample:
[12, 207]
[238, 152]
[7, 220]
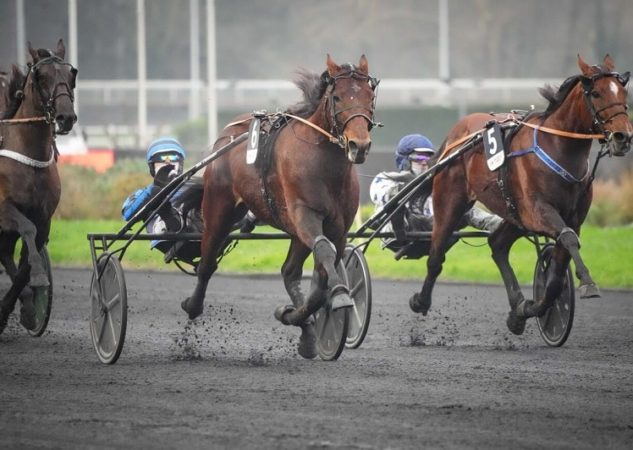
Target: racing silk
[136, 201]
[387, 184]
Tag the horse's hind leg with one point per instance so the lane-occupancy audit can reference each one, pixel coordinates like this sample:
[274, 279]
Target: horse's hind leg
[501, 242]
[448, 213]
[292, 271]
[217, 226]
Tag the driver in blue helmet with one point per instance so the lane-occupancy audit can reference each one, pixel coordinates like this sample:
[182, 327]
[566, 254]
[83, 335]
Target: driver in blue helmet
[413, 155]
[165, 159]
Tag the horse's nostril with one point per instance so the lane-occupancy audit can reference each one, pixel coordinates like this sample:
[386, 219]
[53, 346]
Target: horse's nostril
[619, 137]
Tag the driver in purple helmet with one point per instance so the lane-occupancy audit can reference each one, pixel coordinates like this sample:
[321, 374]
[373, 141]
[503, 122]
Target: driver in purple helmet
[413, 154]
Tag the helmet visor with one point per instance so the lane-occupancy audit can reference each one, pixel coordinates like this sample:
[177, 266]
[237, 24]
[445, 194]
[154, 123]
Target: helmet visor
[419, 157]
[167, 158]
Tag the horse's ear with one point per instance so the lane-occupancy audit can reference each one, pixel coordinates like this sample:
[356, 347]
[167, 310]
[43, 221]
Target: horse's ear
[332, 67]
[362, 64]
[585, 68]
[61, 49]
[608, 63]
[32, 51]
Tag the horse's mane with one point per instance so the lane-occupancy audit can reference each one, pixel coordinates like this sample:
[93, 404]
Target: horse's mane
[313, 88]
[556, 97]
[12, 99]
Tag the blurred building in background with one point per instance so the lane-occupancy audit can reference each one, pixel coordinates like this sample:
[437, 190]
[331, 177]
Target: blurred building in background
[438, 59]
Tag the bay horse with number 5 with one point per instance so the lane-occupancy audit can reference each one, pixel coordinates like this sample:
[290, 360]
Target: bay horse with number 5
[39, 104]
[548, 179]
[310, 189]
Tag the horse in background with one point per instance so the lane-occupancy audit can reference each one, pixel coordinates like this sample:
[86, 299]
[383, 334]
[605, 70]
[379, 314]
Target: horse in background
[307, 187]
[547, 185]
[39, 105]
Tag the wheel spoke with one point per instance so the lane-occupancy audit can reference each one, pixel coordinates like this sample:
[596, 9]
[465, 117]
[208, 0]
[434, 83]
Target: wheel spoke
[114, 334]
[560, 316]
[321, 331]
[116, 299]
[357, 317]
[103, 327]
[356, 288]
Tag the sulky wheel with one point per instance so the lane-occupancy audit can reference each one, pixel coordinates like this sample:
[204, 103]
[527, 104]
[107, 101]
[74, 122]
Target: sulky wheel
[331, 326]
[359, 283]
[43, 298]
[555, 324]
[108, 318]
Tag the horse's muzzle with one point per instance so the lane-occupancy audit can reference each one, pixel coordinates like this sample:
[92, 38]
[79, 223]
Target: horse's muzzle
[358, 150]
[65, 122]
[620, 143]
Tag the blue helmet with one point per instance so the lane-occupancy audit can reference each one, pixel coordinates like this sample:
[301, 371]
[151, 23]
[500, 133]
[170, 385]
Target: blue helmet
[408, 145]
[164, 146]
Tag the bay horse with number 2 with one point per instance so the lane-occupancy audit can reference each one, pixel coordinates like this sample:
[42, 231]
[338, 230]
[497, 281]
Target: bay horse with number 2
[549, 182]
[310, 190]
[39, 104]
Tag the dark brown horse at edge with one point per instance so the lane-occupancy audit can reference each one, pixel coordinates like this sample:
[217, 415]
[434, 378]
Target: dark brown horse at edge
[549, 182]
[36, 104]
[310, 189]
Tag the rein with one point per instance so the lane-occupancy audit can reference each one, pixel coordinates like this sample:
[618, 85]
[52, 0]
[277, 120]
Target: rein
[562, 133]
[333, 139]
[25, 120]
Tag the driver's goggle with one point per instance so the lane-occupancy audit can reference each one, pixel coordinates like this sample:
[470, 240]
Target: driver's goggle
[167, 158]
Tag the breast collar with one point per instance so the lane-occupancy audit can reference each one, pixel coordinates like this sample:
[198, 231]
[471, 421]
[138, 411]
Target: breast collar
[548, 161]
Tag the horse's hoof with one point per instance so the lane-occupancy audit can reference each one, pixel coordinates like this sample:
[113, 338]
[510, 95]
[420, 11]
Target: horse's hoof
[307, 347]
[281, 311]
[341, 299]
[589, 291]
[418, 305]
[192, 313]
[40, 280]
[515, 324]
[27, 317]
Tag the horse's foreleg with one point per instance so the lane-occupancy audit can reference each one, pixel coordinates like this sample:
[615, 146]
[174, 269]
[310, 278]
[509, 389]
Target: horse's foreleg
[325, 281]
[554, 282]
[501, 242]
[27, 314]
[568, 239]
[292, 271]
[13, 220]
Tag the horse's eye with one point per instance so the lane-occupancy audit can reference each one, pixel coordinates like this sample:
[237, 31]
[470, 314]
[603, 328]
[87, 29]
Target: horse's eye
[336, 98]
[595, 94]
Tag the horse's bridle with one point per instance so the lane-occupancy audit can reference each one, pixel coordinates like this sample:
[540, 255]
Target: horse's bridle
[599, 122]
[333, 113]
[49, 103]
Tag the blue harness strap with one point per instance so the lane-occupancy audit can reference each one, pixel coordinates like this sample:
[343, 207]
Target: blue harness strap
[549, 162]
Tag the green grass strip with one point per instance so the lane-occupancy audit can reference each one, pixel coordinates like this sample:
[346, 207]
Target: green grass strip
[608, 252]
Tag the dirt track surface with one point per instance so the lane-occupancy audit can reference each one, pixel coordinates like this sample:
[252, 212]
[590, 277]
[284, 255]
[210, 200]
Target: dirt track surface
[231, 379]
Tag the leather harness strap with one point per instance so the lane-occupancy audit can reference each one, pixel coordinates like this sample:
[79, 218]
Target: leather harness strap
[562, 133]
